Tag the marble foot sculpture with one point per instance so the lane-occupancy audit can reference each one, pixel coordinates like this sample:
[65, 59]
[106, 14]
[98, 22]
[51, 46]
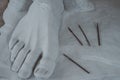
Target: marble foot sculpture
[37, 34]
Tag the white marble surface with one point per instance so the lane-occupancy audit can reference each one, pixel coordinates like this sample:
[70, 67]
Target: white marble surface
[102, 62]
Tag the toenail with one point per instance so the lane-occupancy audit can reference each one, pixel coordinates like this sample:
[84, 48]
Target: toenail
[37, 70]
[24, 74]
[46, 72]
[42, 74]
[42, 71]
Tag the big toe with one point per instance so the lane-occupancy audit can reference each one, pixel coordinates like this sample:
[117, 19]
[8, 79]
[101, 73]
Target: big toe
[44, 69]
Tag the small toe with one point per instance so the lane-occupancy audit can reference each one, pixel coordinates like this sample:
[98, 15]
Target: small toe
[17, 47]
[20, 59]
